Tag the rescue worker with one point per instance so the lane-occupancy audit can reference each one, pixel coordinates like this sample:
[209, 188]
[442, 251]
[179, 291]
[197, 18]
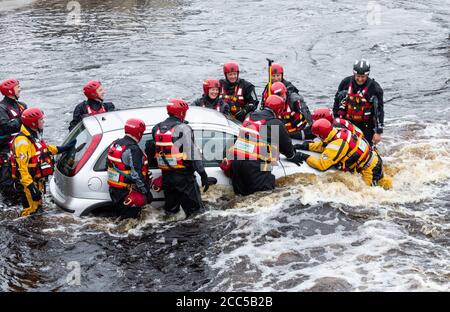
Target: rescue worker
[238, 93]
[359, 99]
[347, 152]
[295, 115]
[128, 175]
[211, 97]
[261, 139]
[179, 158]
[278, 76]
[94, 104]
[32, 160]
[10, 111]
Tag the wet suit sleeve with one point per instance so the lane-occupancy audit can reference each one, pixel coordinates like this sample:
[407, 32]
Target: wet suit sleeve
[378, 106]
[22, 155]
[186, 135]
[77, 116]
[330, 156]
[340, 95]
[7, 126]
[250, 97]
[285, 144]
[318, 147]
[109, 106]
[52, 149]
[134, 158]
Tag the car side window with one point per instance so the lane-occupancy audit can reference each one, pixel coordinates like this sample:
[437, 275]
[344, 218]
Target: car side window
[213, 145]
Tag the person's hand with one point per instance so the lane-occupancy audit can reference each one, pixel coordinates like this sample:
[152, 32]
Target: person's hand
[67, 147]
[298, 158]
[376, 138]
[205, 182]
[36, 195]
[149, 197]
[240, 115]
[302, 146]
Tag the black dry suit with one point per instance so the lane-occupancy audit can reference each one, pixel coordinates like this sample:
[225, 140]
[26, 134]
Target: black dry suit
[178, 165]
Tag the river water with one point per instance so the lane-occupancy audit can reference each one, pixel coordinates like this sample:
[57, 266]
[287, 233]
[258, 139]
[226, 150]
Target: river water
[312, 233]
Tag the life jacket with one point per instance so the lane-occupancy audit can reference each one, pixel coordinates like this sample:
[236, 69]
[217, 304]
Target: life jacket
[359, 151]
[167, 154]
[40, 164]
[235, 100]
[251, 146]
[119, 174]
[342, 123]
[293, 121]
[357, 107]
[91, 111]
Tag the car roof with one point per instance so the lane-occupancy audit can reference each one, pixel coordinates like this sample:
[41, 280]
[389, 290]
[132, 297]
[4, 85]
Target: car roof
[152, 115]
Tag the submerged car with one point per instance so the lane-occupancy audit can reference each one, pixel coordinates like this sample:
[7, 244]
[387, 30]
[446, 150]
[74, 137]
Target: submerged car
[79, 184]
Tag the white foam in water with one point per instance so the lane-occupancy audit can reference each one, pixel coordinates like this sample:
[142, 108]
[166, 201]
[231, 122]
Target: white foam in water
[379, 255]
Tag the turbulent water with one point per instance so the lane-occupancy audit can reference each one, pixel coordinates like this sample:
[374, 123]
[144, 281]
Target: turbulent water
[313, 233]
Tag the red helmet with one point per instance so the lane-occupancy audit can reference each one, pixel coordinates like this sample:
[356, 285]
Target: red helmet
[323, 113]
[31, 116]
[90, 89]
[230, 67]
[177, 108]
[7, 87]
[276, 103]
[321, 128]
[278, 88]
[135, 127]
[210, 83]
[277, 69]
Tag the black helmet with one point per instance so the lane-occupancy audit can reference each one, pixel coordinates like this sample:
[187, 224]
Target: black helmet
[361, 67]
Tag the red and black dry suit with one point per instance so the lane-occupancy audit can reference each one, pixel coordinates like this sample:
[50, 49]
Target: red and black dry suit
[178, 157]
[10, 123]
[361, 104]
[240, 96]
[88, 108]
[261, 139]
[217, 104]
[127, 170]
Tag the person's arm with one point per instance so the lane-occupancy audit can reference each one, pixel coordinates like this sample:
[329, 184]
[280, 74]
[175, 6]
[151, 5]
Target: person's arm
[109, 106]
[22, 156]
[77, 116]
[340, 95]
[134, 158]
[8, 126]
[330, 156]
[250, 97]
[378, 105]
[285, 143]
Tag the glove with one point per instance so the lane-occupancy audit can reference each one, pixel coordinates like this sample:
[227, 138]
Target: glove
[205, 182]
[67, 147]
[298, 158]
[251, 107]
[302, 146]
[240, 115]
[36, 195]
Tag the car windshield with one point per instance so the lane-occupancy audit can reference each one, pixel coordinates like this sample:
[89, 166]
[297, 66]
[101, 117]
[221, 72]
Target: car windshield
[68, 161]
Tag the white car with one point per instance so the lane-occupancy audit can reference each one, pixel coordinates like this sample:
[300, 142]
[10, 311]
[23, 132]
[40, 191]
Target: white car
[79, 184]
